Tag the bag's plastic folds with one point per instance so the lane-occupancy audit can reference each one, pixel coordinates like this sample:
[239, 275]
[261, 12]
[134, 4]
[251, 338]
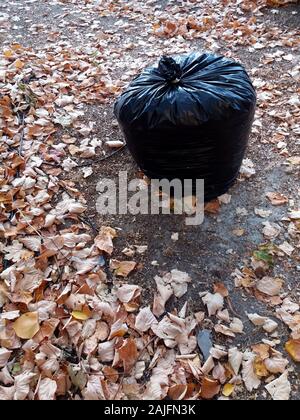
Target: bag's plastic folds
[189, 118]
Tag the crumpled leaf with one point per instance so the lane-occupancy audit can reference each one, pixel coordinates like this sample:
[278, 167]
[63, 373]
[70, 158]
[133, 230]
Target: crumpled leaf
[277, 199]
[145, 319]
[128, 292]
[214, 302]
[106, 351]
[47, 389]
[250, 378]
[104, 241]
[21, 386]
[4, 356]
[177, 392]
[276, 364]
[237, 326]
[235, 358]
[165, 291]
[27, 325]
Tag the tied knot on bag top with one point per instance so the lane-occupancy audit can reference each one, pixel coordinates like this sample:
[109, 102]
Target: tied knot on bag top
[169, 69]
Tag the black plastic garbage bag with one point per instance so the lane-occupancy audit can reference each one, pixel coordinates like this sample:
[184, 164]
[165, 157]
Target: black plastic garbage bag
[189, 118]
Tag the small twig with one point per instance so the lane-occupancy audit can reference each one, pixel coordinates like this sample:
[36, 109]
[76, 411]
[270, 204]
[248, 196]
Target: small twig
[130, 370]
[231, 307]
[82, 165]
[87, 221]
[22, 122]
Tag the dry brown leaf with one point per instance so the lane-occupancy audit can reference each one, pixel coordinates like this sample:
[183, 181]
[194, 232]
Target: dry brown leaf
[263, 350]
[213, 207]
[4, 356]
[128, 354]
[221, 289]
[259, 368]
[209, 388]
[177, 392]
[235, 358]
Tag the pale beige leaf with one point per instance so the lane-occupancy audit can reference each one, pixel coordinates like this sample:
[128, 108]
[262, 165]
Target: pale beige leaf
[250, 379]
[280, 388]
[145, 319]
[235, 358]
[214, 302]
[47, 389]
[276, 364]
[128, 292]
[270, 286]
[27, 325]
[4, 356]
[104, 241]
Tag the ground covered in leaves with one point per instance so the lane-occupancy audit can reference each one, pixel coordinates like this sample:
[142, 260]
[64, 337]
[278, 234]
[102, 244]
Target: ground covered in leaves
[144, 307]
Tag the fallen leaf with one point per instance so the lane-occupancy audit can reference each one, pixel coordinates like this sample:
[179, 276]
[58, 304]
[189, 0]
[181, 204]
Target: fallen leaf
[209, 388]
[213, 207]
[293, 349]
[128, 292]
[250, 379]
[80, 315]
[177, 392]
[280, 388]
[27, 325]
[128, 354]
[276, 364]
[104, 241]
[259, 368]
[228, 390]
[270, 286]
[287, 248]
[222, 329]
[47, 389]
[145, 319]
[221, 289]
[271, 230]
[214, 302]
[4, 356]
[122, 268]
[277, 199]
[237, 326]
[235, 358]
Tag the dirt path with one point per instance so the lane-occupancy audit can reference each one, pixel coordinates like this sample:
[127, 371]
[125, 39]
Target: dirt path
[121, 40]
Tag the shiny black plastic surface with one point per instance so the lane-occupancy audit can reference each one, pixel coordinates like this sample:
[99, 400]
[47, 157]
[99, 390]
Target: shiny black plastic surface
[188, 118]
